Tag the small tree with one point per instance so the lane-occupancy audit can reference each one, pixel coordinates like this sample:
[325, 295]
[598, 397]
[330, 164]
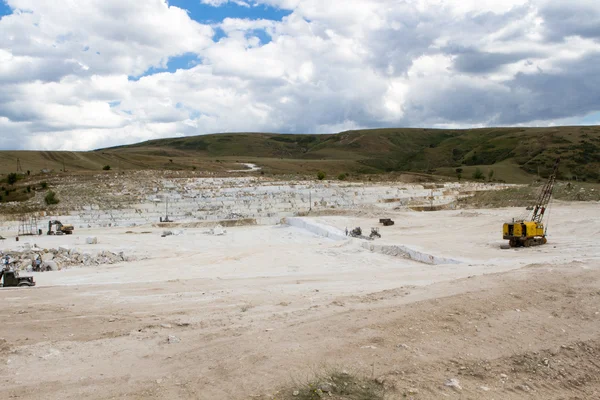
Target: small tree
[490, 174]
[478, 174]
[28, 172]
[459, 170]
[459, 176]
[321, 175]
[44, 185]
[51, 198]
[342, 177]
[12, 178]
[106, 168]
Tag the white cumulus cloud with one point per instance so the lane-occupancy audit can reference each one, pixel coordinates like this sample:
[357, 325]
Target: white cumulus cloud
[66, 68]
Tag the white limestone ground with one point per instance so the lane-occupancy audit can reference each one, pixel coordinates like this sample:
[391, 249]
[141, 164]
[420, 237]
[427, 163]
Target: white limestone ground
[229, 316]
[140, 199]
[463, 243]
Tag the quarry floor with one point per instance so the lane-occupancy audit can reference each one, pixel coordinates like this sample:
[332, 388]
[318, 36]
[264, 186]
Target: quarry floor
[262, 308]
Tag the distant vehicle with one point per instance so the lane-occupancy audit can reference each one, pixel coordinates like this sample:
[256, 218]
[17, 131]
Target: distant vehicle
[59, 228]
[11, 278]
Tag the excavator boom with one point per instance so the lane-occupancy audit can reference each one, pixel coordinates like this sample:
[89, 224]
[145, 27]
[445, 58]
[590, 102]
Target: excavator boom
[544, 198]
[531, 232]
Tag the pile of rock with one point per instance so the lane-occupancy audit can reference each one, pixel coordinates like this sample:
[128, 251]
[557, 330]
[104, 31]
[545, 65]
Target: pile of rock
[63, 257]
[217, 231]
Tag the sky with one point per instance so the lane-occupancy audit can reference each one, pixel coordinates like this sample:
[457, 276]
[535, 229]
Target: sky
[87, 74]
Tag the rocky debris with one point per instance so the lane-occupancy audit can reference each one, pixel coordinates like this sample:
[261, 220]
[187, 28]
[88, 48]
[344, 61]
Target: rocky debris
[327, 387]
[171, 233]
[217, 231]
[92, 240]
[453, 383]
[173, 339]
[63, 257]
[49, 266]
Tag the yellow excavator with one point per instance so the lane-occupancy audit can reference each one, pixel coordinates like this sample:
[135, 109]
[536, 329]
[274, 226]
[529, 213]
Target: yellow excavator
[59, 228]
[531, 232]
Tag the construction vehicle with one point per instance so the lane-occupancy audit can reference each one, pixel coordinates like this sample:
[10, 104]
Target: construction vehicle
[530, 231]
[59, 228]
[357, 233]
[11, 278]
[386, 221]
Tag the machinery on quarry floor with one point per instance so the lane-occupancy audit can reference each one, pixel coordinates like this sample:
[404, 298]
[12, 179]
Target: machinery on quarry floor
[531, 232]
[357, 233]
[59, 228]
[386, 221]
[11, 278]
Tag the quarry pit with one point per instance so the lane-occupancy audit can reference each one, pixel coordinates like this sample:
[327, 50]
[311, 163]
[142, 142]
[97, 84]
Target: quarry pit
[223, 310]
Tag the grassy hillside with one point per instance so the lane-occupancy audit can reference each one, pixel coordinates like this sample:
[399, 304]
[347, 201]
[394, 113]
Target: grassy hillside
[514, 154]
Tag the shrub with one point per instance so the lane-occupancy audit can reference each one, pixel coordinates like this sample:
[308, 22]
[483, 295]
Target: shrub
[44, 185]
[51, 198]
[342, 177]
[28, 189]
[478, 174]
[338, 384]
[12, 178]
[106, 168]
[490, 174]
[28, 172]
[321, 175]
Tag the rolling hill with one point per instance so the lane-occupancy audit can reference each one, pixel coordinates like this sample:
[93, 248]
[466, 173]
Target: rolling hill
[515, 154]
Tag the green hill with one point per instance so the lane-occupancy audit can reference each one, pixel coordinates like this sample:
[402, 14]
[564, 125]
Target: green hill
[514, 154]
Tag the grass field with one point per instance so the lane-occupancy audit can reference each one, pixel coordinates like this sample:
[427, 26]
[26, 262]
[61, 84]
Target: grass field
[518, 155]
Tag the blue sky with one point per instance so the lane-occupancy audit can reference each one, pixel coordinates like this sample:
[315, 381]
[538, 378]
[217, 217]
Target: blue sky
[208, 14]
[4, 8]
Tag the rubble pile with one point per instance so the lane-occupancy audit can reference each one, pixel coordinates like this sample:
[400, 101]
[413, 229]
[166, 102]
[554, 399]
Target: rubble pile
[34, 258]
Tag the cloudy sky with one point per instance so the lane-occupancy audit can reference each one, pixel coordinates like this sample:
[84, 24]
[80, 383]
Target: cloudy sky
[85, 74]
